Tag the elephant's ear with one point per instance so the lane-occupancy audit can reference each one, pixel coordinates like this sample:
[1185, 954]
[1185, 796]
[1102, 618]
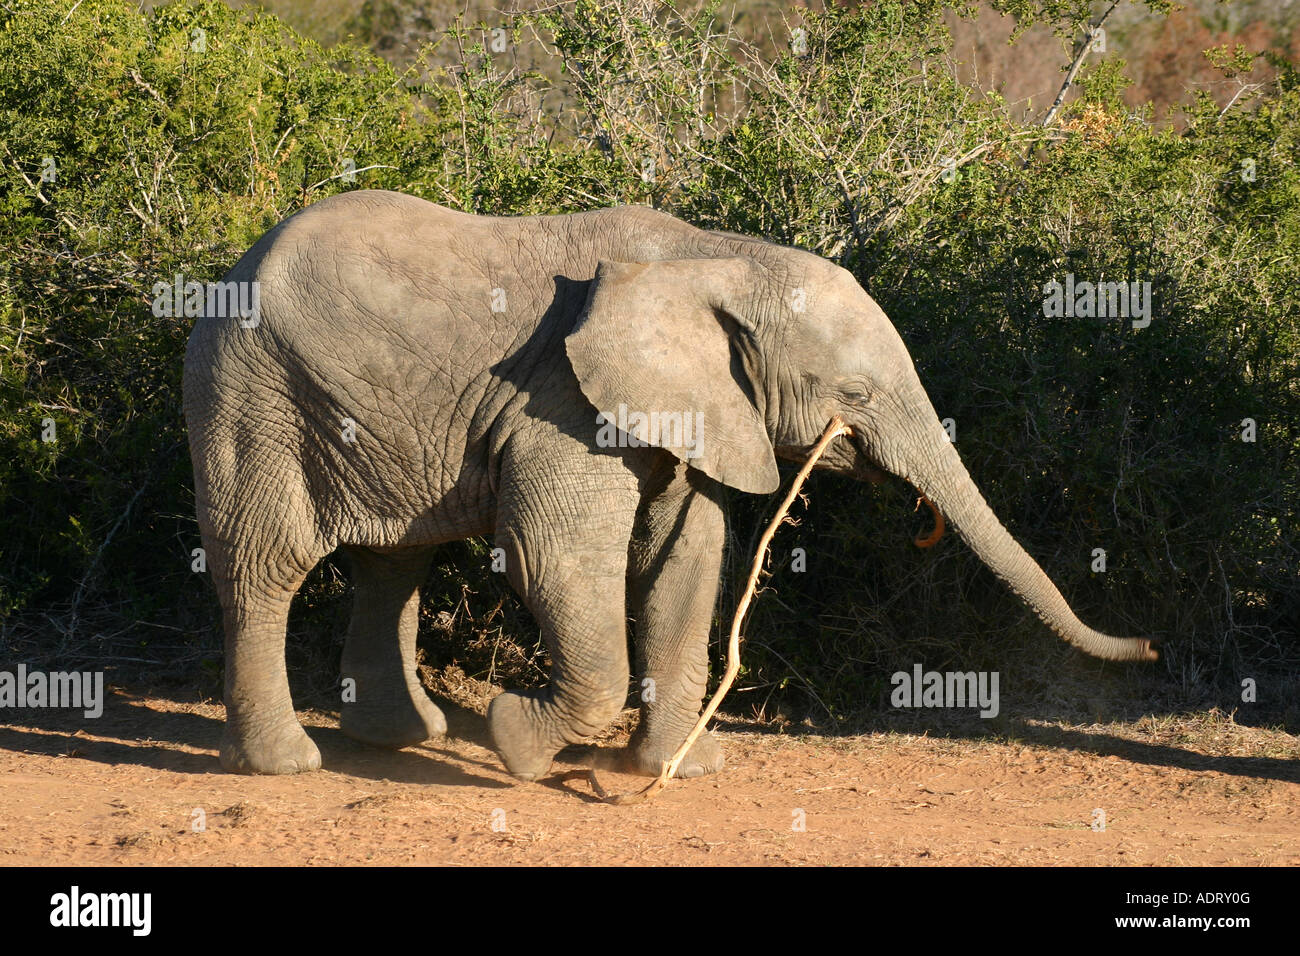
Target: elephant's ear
[652, 351]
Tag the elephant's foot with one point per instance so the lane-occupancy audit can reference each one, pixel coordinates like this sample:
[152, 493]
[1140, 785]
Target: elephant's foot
[519, 735]
[284, 748]
[405, 722]
[647, 757]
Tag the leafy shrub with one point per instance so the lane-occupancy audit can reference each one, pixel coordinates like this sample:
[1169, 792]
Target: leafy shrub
[169, 143]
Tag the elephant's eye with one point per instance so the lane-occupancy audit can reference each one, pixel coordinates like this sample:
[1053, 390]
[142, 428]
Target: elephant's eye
[856, 398]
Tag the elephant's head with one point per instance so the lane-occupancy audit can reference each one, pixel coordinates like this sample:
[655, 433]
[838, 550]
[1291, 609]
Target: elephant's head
[754, 354]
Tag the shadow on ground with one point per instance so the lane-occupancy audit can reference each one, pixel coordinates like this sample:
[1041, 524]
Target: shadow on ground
[131, 732]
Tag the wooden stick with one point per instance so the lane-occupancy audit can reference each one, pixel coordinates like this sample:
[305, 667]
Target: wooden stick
[834, 429]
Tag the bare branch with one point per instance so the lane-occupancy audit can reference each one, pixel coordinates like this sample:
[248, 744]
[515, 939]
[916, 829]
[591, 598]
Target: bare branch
[1077, 64]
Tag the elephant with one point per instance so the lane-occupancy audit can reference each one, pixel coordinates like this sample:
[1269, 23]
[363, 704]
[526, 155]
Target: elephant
[581, 388]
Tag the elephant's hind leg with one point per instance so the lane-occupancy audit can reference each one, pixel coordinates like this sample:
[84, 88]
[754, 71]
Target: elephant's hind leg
[385, 704]
[261, 541]
[262, 733]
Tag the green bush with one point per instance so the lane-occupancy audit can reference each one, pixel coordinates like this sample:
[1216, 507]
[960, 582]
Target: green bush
[170, 143]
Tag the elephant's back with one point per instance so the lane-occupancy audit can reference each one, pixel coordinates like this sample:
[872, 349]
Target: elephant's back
[392, 291]
[356, 270]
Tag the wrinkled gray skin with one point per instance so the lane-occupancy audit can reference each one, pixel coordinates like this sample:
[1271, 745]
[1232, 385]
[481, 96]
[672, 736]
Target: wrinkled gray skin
[471, 420]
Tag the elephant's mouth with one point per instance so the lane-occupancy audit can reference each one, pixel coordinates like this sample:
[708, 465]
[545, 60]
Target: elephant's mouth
[847, 455]
[865, 466]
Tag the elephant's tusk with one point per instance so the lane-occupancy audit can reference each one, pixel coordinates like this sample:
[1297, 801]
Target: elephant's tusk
[931, 539]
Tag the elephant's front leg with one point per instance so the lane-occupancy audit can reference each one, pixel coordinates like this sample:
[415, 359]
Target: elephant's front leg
[564, 523]
[675, 560]
[385, 704]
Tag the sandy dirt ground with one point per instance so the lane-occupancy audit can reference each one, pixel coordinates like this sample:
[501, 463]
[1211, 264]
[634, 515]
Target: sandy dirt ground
[133, 788]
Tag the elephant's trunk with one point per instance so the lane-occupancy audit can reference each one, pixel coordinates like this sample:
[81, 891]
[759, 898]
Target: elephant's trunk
[938, 472]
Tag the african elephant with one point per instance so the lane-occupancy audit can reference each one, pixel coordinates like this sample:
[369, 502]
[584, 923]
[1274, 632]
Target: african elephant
[416, 375]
